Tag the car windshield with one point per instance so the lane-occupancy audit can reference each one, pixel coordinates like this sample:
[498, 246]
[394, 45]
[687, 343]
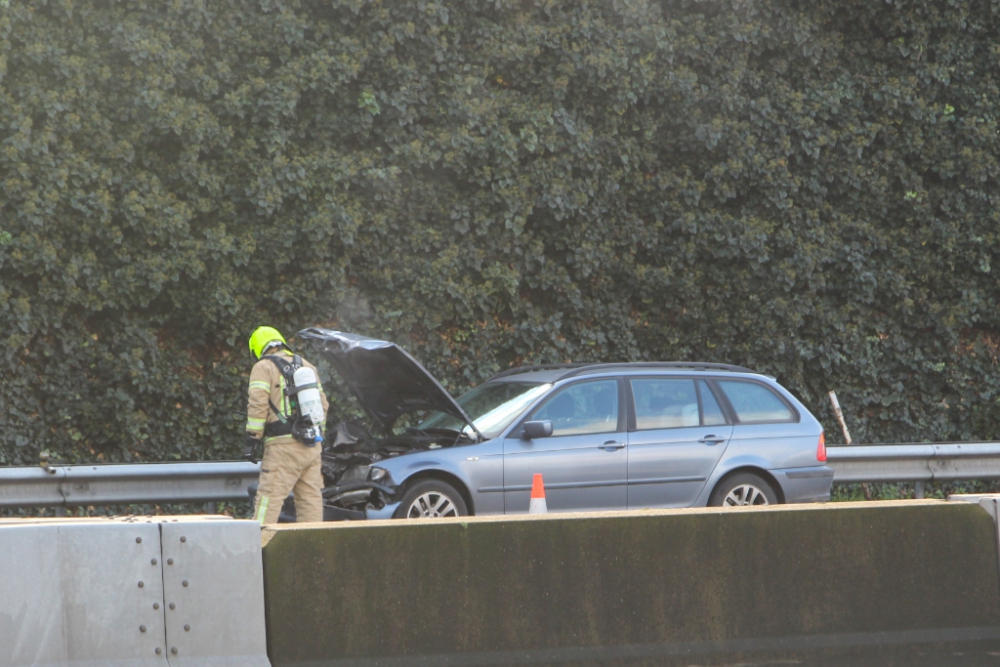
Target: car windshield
[491, 406]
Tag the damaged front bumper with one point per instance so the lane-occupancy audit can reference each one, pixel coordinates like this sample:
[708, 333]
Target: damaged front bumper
[386, 512]
[334, 513]
[346, 502]
[359, 500]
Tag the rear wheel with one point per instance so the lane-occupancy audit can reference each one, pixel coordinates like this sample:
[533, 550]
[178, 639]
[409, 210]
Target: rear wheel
[430, 499]
[743, 489]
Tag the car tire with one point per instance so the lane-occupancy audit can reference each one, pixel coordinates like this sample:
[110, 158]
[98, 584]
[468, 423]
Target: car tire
[430, 499]
[743, 489]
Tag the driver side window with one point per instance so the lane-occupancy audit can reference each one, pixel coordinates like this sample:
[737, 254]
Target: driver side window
[582, 409]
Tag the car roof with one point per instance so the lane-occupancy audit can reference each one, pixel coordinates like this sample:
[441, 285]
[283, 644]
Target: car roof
[554, 372]
[539, 377]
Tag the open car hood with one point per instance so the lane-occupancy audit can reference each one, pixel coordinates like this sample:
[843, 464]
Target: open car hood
[384, 377]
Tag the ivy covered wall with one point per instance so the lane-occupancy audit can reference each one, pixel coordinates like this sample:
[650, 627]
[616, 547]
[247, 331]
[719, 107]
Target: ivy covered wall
[807, 188]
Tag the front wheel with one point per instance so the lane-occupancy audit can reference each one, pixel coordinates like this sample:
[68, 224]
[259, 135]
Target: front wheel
[431, 499]
[743, 489]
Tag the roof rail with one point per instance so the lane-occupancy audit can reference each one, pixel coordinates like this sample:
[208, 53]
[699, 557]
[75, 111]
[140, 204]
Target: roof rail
[691, 365]
[539, 367]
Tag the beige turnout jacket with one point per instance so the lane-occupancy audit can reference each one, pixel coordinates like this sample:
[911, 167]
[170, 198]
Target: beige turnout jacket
[267, 384]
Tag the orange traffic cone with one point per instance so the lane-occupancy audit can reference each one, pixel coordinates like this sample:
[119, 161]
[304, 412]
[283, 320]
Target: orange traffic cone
[537, 505]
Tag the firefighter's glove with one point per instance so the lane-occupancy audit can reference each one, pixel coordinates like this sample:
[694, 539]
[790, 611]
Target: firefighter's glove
[250, 448]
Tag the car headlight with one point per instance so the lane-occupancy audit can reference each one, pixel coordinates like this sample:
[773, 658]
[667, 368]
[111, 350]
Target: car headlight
[378, 475]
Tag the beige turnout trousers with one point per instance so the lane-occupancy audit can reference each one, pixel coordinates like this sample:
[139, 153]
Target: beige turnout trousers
[289, 466]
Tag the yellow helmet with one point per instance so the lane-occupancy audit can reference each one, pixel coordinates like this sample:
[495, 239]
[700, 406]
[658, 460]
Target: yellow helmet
[262, 338]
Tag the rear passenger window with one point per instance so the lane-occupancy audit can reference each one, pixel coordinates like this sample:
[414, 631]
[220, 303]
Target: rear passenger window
[664, 404]
[755, 403]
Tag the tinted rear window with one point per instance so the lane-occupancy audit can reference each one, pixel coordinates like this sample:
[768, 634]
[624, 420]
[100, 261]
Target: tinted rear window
[755, 403]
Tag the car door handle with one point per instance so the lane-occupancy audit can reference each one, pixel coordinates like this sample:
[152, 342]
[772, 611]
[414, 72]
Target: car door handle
[711, 440]
[611, 446]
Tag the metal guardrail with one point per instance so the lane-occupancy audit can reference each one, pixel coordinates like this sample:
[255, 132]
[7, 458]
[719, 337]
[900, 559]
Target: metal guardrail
[931, 462]
[126, 484]
[218, 481]
[913, 462]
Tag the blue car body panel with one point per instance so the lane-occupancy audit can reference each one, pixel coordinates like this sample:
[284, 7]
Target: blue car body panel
[580, 476]
[622, 435]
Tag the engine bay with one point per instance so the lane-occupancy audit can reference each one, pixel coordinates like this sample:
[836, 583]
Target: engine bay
[353, 450]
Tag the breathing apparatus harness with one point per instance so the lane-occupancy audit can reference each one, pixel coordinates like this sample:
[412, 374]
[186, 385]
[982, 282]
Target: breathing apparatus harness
[302, 395]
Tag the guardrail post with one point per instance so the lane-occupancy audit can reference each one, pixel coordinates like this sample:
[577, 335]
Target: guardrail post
[919, 491]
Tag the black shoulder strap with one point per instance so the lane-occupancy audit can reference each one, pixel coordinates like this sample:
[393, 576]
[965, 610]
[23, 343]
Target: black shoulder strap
[277, 412]
[287, 369]
[280, 362]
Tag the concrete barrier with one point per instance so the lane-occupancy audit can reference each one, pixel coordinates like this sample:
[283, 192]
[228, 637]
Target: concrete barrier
[80, 594]
[89, 593]
[214, 594]
[904, 583]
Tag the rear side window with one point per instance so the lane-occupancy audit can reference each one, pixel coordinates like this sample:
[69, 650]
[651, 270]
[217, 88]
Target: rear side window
[665, 404]
[755, 403]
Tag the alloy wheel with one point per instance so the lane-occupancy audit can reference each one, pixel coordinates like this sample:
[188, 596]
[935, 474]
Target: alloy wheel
[745, 494]
[431, 505]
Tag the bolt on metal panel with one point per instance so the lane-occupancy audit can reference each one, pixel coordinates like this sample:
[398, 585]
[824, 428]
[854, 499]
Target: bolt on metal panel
[85, 593]
[214, 594]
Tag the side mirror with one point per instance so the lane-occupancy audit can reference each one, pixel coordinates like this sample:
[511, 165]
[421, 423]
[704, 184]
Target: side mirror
[534, 430]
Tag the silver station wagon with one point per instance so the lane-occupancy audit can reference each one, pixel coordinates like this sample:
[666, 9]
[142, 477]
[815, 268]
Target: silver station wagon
[603, 436]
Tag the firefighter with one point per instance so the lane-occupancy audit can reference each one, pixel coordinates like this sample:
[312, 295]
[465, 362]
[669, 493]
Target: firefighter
[291, 435]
